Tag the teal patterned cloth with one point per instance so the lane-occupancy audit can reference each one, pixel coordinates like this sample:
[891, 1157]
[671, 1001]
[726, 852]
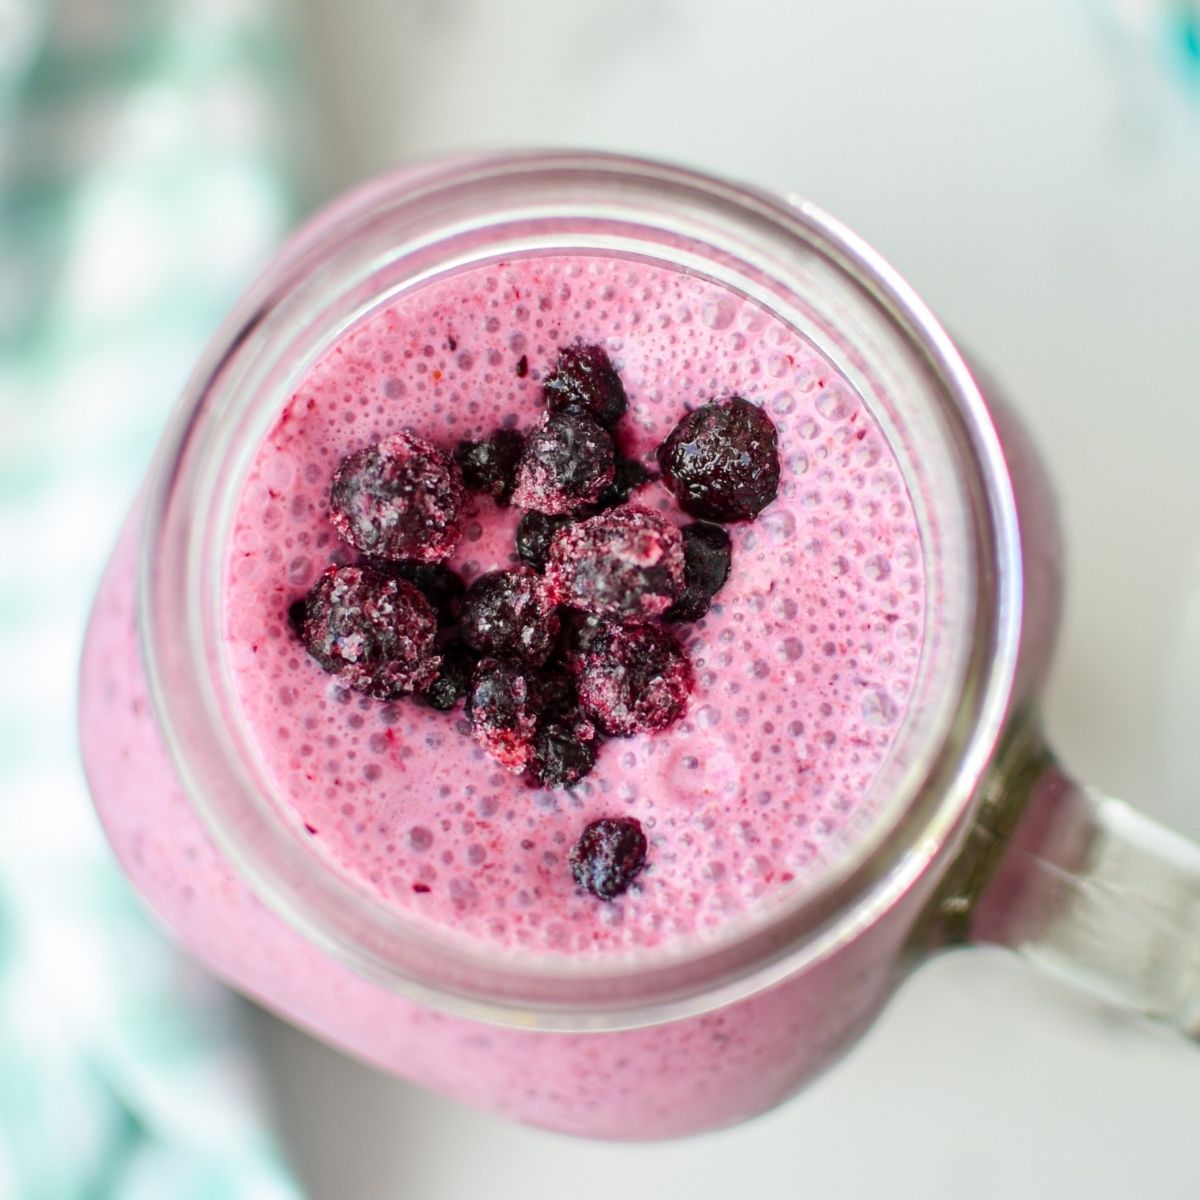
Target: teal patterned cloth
[143, 178]
[1164, 32]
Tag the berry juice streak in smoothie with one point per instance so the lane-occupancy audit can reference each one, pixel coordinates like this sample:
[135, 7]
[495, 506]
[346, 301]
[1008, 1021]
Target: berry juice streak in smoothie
[803, 667]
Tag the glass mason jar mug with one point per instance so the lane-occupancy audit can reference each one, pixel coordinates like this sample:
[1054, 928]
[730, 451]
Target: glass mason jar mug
[976, 833]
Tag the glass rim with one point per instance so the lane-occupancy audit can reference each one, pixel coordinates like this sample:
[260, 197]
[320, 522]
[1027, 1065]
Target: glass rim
[624, 988]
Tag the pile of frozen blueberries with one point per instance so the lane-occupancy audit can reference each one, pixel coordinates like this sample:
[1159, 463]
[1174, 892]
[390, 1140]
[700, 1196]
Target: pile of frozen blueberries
[573, 645]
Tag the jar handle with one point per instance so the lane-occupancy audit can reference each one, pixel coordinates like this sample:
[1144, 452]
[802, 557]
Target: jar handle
[1086, 889]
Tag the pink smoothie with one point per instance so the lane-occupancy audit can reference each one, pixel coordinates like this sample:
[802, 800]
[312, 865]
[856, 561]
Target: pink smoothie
[803, 666]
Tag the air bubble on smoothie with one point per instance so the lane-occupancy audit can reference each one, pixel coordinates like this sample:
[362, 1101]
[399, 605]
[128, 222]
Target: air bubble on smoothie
[299, 570]
[878, 708]
[877, 568]
[779, 524]
[718, 312]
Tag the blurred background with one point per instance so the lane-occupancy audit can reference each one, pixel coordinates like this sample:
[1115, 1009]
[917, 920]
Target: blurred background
[1033, 169]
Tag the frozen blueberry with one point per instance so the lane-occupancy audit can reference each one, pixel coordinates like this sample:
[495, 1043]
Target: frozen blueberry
[584, 380]
[626, 563]
[400, 498]
[490, 466]
[555, 694]
[508, 614]
[535, 531]
[609, 856]
[707, 552]
[438, 583]
[628, 476]
[578, 631]
[500, 709]
[561, 757]
[454, 678]
[567, 462]
[374, 633]
[722, 461]
[633, 679]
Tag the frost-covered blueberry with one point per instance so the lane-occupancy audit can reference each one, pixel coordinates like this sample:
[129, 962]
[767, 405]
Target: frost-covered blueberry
[722, 461]
[567, 462]
[562, 754]
[500, 708]
[608, 856]
[535, 532]
[633, 679]
[400, 498]
[626, 563]
[375, 633]
[490, 466]
[509, 614]
[707, 553]
[438, 583]
[584, 380]
[454, 678]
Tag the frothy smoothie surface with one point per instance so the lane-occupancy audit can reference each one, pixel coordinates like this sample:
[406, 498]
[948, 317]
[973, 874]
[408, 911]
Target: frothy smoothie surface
[803, 666]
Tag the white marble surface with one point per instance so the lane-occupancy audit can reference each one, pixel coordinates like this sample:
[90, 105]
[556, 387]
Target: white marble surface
[1038, 180]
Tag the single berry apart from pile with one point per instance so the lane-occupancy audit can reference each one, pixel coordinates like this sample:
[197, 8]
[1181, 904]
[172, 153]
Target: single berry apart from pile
[561, 755]
[626, 563]
[707, 553]
[400, 498]
[490, 466]
[508, 614]
[722, 461]
[567, 462]
[633, 679]
[535, 532]
[584, 380]
[500, 708]
[609, 856]
[440, 585]
[628, 476]
[375, 633]
[454, 678]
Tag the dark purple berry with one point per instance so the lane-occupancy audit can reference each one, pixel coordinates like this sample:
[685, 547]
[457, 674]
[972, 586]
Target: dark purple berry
[628, 476]
[438, 583]
[560, 757]
[401, 498]
[535, 531]
[454, 678]
[722, 461]
[555, 694]
[501, 712]
[375, 633]
[579, 630]
[490, 466]
[508, 614]
[522, 366]
[295, 616]
[633, 679]
[567, 462]
[584, 380]
[707, 552]
[609, 856]
[626, 563]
